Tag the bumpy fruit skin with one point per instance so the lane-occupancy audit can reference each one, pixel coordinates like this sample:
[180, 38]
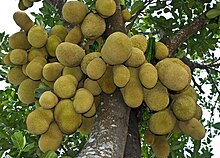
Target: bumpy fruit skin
[52, 43]
[38, 121]
[106, 81]
[37, 52]
[26, 91]
[173, 75]
[139, 41]
[156, 98]
[161, 51]
[149, 137]
[87, 59]
[65, 86]
[21, 5]
[34, 68]
[126, 15]
[161, 147]
[69, 54]
[27, 3]
[193, 128]
[148, 75]
[96, 68]
[51, 139]
[16, 75]
[18, 56]
[92, 86]
[74, 12]
[136, 59]
[121, 75]
[105, 8]
[91, 112]
[48, 100]
[66, 117]
[7, 60]
[75, 71]
[184, 107]
[52, 71]
[198, 113]
[162, 122]
[60, 31]
[133, 91]
[74, 36]
[86, 126]
[19, 41]
[23, 20]
[189, 91]
[37, 36]
[83, 100]
[93, 26]
[117, 48]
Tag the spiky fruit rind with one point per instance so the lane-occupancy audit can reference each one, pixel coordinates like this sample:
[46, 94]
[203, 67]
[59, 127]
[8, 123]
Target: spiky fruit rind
[19, 40]
[139, 41]
[161, 51]
[92, 86]
[16, 75]
[136, 58]
[48, 100]
[52, 71]
[121, 75]
[106, 8]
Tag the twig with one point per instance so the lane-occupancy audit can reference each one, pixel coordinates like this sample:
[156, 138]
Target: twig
[197, 85]
[213, 82]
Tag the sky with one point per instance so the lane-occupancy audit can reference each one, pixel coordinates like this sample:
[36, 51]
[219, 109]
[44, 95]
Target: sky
[7, 9]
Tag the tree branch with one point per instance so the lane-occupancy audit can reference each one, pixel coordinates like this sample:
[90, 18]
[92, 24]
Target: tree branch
[58, 4]
[185, 33]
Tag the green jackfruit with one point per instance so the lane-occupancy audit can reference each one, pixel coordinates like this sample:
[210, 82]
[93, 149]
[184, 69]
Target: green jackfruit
[48, 100]
[19, 41]
[121, 75]
[105, 8]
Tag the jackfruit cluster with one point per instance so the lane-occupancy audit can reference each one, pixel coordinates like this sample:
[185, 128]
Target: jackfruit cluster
[62, 59]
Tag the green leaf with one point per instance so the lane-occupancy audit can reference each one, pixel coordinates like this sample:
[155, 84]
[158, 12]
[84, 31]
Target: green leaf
[217, 126]
[29, 147]
[138, 5]
[1, 153]
[18, 140]
[49, 154]
[122, 2]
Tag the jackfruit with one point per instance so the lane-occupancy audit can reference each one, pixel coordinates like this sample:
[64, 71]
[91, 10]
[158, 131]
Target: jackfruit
[24, 69]
[121, 75]
[92, 86]
[86, 126]
[83, 100]
[38, 121]
[60, 31]
[23, 20]
[66, 117]
[87, 59]
[37, 36]
[93, 26]
[117, 48]
[193, 128]
[18, 56]
[52, 71]
[148, 75]
[26, 91]
[189, 91]
[106, 81]
[74, 12]
[37, 52]
[69, 54]
[21, 5]
[162, 122]
[133, 91]
[136, 59]
[7, 60]
[184, 107]
[139, 41]
[156, 98]
[52, 139]
[27, 3]
[48, 100]
[198, 113]
[161, 51]
[161, 147]
[105, 8]
[19, 41]
[176, 129]
[96, 68]
[74, 36]
[149, 137]
[65, 86]
[75, 71]
[91, 112]
[16, 76]
[52, 43]
[126, 14]
[172, 75]
[35, 68]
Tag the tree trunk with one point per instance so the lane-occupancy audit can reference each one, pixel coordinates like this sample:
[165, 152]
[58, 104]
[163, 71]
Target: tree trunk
[109, 134]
